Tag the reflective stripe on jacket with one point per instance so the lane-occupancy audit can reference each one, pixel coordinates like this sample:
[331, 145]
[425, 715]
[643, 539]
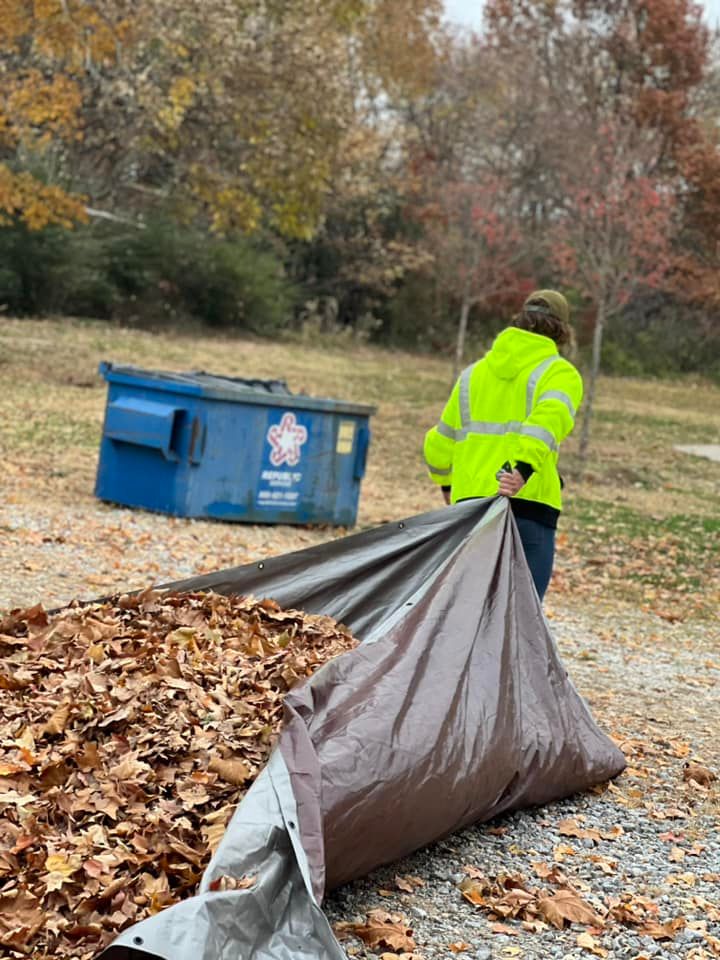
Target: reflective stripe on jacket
[518, 403]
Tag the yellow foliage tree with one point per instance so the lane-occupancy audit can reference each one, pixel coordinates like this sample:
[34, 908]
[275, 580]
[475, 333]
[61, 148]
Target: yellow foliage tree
[46, 47]
[237, 108]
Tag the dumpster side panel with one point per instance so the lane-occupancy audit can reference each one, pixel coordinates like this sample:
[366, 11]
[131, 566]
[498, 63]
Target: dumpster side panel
[280, 465]
[221, 486]
[144, 449]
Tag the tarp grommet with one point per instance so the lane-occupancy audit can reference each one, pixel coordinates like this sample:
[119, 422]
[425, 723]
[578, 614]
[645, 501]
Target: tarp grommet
[138, 941]
[401, 526]
[261, 566]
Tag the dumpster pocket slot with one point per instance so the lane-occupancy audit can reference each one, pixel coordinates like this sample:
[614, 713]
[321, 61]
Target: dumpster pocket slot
[363, 444]
[146, 423]
[198, 434]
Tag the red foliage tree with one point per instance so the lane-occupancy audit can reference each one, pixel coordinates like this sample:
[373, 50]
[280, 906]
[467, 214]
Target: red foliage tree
[614, 235]
[476, 247]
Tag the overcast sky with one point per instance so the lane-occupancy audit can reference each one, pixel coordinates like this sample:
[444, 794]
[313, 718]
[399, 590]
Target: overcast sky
[470, 11]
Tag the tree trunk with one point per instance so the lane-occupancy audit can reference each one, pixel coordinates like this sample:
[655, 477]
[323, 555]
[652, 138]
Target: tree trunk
[594, 370]
[461, 334]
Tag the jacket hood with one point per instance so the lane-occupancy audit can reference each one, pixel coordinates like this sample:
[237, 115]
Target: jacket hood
[514, 350]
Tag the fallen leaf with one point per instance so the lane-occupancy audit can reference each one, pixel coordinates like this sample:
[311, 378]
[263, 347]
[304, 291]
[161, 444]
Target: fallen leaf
[8, 769]
[56, 863]
[23, 842]
[60, 870]
[473, 891]
[58, 721]
[713, 943]
[571, 828]
[415, 881]
[566, 905]
[588, 942]
[700, 774]
[669, 813]
[381, 929]
[400, 956]
[670, 837]
[661, 931]
[130, 768]
[232, 771]
[606, 864]
[687, 879]
[233, 883]
[562, 851]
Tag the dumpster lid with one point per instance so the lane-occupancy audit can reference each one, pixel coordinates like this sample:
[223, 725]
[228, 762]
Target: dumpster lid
[239, 389]
[197, 378]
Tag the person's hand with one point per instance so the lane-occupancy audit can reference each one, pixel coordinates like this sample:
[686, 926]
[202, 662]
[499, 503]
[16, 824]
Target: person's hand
[510, 483]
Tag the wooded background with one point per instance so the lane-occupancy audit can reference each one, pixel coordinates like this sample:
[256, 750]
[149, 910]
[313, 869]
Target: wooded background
[357, 166]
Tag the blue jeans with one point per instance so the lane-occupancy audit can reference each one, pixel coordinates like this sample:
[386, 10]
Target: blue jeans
[539, 544]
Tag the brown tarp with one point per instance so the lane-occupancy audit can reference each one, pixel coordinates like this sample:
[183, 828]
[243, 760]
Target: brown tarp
[455, 709]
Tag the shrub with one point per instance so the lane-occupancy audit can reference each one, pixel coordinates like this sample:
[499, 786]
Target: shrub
[54, 271]
[661, 336]
[153, 273]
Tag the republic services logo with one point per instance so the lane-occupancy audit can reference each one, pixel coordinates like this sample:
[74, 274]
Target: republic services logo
[286, 438]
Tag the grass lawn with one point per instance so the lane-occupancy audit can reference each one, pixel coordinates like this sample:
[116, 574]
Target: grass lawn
[641, 525]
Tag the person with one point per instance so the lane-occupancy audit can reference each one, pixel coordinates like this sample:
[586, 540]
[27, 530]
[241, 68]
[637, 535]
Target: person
[502, 427]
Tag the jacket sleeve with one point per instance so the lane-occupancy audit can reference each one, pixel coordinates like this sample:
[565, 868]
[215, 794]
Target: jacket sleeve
[557, 399]
[440, 441]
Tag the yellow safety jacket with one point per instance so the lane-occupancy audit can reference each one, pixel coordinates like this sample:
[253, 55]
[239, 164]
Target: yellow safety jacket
[516, 405]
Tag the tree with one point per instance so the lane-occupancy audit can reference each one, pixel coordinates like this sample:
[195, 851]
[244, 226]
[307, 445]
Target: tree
[467, 205]
[610, 157]
[698, 161]
[614, 234]
[364, 246]
[230, 110]
[243, 111]
[44, 49]
[476, 248]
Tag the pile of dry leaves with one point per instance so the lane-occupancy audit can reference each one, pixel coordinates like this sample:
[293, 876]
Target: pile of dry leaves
[130, 731]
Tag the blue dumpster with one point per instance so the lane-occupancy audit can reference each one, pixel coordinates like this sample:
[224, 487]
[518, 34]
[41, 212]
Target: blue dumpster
[198, 445]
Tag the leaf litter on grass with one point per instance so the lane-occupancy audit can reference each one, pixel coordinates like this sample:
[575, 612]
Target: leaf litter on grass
[626, 530]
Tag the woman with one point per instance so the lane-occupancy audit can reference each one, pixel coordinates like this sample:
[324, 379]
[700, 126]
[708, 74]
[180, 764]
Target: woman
[502, 427]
